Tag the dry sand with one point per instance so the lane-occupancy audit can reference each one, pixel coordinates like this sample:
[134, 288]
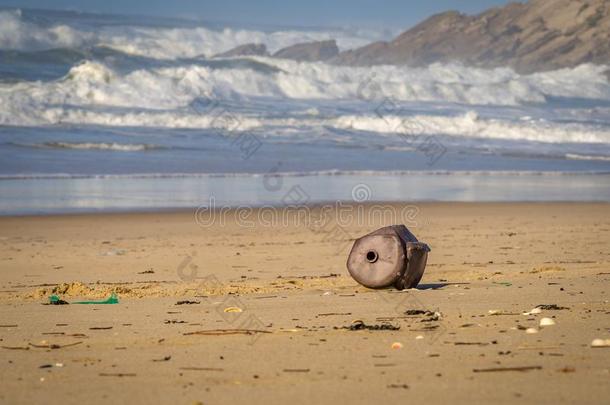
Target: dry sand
[291, 342]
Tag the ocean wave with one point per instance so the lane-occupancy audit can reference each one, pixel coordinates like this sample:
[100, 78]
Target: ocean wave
[154, 77]
[104, 146]
[18, 32]
[401, 128]
[92, 90]
[575, 156]
[15, 33]
[472, 126]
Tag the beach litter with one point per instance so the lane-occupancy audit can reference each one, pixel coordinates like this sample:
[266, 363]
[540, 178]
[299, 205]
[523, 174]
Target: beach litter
[187, 302]
[402, 386]
[222, 332]
[501, 369]
[51, 365]
[55, 300]
[503, 283]
[418, 312]
[388, 257]
[547, 322]
[551, 307]
[360, 325]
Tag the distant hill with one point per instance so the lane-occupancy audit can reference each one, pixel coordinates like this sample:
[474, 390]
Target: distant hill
[309, 51]
[533, 36]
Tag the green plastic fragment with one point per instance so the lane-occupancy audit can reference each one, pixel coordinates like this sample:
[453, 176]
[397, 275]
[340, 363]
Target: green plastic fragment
[504, 283]
[113, 299]
[55, 300]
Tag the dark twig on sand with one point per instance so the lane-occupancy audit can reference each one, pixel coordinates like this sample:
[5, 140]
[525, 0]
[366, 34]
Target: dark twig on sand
[222, 332]
[117, 374]
[359, 325]
[187, 302]
[551, 307]
[500, 369]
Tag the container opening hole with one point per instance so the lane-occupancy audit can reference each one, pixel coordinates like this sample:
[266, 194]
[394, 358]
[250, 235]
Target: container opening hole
[371, 256]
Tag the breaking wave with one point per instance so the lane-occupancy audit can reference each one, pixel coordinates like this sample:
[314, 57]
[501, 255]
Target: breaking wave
[156, 77]
[95, 93]
[18, 32]
[109, 146]
[471, 125]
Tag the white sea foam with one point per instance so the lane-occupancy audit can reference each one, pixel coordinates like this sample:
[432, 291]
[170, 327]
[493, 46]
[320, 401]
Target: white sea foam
[18, 34]
[575, 156]
[471, 125]
[93, 93]
[111, 146]
[96, 83]
[166, 43]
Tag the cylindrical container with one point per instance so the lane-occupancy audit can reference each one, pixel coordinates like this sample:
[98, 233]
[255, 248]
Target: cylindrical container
[390, 256]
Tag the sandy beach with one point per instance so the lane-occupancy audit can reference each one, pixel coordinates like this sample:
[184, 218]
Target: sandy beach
[224, 313]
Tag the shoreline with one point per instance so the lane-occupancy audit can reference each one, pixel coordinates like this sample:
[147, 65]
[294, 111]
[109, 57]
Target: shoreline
[48, 196]
[233, 210]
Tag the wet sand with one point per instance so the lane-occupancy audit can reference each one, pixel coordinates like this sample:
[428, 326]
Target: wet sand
[266, 314]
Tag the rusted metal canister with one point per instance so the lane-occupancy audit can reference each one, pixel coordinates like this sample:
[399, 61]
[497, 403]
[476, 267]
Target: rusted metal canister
[390, 256]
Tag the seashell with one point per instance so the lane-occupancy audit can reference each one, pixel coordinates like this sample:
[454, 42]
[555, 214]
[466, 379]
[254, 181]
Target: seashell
[396, 345]
[600, 343]
[547, 322]
[233, 309]
[531, 330]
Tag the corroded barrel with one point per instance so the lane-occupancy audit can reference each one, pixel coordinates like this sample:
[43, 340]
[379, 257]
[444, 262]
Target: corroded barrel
[390, 256]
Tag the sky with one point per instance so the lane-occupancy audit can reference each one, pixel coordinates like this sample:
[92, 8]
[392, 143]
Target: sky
[367, 13]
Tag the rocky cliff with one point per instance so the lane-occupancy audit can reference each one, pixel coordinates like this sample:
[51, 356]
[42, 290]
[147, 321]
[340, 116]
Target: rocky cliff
[245, 50]
[533, 36]
[309, 51]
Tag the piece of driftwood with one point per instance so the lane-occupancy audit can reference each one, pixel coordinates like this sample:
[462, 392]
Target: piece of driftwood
[390, 256]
